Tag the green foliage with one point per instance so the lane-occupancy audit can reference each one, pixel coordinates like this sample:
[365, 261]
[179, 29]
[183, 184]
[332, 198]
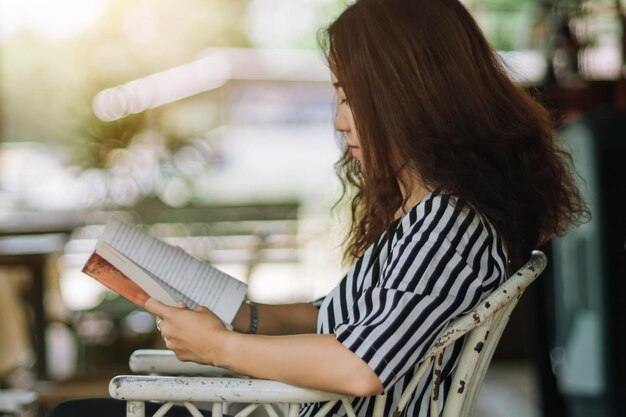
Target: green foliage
[93, 140]
[511, 24]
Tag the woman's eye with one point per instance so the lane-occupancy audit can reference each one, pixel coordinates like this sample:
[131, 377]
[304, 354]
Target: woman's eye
[343, 100]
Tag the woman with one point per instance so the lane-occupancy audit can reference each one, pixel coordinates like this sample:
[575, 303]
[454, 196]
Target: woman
[456, 177]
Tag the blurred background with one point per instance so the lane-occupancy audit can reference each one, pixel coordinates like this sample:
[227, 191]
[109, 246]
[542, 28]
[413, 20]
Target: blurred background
[209, 122]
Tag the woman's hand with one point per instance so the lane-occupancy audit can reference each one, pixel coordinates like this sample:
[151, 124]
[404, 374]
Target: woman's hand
[194, 335]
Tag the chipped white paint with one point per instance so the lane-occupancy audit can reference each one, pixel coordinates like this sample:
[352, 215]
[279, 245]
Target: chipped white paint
[436, 388]
[484, 324]
[200, 389]
[135, 409]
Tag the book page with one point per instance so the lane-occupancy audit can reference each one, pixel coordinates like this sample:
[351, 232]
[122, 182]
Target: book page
[199, 282]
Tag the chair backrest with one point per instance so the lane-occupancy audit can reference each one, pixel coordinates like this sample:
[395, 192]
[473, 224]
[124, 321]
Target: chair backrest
[483, 326]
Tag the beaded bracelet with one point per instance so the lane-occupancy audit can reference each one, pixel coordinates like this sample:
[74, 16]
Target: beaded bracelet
[254, 317]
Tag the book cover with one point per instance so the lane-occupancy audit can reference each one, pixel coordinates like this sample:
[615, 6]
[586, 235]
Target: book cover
[101, 270]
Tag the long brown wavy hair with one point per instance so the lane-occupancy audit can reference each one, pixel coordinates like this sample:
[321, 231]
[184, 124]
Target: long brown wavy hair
[427, 90]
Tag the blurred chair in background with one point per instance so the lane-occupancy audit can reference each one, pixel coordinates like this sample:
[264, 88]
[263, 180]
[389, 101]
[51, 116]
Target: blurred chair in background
[16, 353]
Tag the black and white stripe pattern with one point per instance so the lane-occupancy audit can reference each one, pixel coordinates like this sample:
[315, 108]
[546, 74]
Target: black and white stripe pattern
[438, 261]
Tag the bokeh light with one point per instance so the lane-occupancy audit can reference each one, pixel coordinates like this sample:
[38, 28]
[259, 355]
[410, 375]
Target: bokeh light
[58, 20]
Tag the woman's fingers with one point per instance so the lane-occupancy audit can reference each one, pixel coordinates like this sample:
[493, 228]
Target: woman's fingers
[189, 333]
[158, 308]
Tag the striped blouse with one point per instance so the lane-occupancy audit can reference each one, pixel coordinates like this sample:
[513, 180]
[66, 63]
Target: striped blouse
[434, 264]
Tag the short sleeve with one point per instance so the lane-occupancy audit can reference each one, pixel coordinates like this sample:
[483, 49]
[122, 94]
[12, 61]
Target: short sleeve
[393, 324]
[318, 303]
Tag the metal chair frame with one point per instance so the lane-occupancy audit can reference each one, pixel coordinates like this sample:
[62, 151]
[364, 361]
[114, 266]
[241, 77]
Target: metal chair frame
[483, 326]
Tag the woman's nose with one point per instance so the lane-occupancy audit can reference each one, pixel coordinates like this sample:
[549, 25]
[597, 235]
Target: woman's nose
[341, 122]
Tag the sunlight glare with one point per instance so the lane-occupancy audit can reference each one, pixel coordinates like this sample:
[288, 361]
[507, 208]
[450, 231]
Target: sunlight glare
[161, 88]
[59, 19]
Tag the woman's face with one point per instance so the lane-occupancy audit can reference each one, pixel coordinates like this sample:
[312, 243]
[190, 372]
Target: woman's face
[344, 121]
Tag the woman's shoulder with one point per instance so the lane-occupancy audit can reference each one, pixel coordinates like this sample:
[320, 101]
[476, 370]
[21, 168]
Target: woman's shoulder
[449, 227]
[442, 214]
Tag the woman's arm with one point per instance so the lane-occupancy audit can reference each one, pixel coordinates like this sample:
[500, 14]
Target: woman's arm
[278, 319]
[311, 361]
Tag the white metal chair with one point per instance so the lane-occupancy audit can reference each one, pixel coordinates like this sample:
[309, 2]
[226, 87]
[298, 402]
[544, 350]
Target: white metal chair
[483, 327]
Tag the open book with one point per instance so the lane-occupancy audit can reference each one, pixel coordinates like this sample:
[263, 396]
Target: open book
[138, 266]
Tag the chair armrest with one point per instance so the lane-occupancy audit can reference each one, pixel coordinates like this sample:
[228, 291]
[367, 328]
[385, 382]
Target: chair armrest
[199, 389]
[159, 361]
